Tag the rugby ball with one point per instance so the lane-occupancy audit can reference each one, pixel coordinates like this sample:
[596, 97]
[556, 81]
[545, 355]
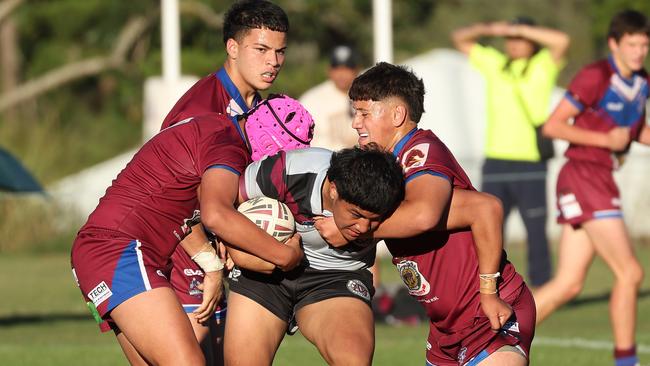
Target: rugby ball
[269, 215]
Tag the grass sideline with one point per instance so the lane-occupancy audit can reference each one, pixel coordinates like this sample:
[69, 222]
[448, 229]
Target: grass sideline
[43, 321]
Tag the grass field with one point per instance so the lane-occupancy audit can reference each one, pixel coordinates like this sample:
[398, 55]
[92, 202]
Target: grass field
[44, 322]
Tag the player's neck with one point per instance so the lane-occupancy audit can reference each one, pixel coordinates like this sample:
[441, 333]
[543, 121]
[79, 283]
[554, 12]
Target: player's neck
[401, 131]
[246, 90]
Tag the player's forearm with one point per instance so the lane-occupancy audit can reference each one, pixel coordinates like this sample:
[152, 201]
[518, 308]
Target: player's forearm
[576, 135]
[234, 228]
[250, 262]
[487, 229]
[644, 137]
[410, 219]
[195, 240]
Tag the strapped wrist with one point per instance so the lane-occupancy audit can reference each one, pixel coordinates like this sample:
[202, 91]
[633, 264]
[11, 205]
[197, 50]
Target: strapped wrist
[207, 259]
[488, 283]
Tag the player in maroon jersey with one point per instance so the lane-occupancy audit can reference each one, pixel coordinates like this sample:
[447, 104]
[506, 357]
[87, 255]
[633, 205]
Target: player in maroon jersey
[254, 35]
[120, 257]
[480, 308]
[607, 101]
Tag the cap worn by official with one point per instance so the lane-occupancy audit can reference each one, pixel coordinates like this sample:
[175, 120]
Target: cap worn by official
[344, 56]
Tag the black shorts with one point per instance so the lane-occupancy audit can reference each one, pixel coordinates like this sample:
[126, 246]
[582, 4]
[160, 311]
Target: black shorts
[285, 293]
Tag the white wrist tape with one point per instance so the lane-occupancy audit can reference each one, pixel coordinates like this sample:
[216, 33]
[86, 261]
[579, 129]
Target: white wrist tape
[207, 259]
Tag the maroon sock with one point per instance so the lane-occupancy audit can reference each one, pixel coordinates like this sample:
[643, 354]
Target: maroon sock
[621, 353]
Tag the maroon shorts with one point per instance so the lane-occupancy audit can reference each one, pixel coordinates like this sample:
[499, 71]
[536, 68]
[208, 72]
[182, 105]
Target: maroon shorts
[586, 191]
[185, 276]
[110, 269]
[478, 339]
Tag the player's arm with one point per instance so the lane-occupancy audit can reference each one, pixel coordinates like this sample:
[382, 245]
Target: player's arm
[644, 137]
[246, 260]
[425, 201]
[483, 214]
[219, 191]
[249, 261]
[558, 127]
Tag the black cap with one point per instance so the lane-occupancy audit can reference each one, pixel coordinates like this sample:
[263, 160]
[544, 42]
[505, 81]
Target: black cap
[523, 20]
[344, 56]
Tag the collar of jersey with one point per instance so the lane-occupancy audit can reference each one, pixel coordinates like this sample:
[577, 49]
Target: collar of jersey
[400, 145]
[234, 93]
[630, 80]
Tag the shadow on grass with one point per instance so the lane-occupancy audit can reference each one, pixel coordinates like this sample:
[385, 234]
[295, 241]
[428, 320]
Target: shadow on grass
[604, 297]
[24, 319]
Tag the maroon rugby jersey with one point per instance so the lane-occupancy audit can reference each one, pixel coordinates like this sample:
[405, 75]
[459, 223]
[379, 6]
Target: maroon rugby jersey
[440, 269]
[214, 93]
[150, 199]
[606, 100]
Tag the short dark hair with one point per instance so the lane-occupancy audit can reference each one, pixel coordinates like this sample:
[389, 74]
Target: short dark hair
[253, 14]
[385, 80]
[368, 177]
[628, 22]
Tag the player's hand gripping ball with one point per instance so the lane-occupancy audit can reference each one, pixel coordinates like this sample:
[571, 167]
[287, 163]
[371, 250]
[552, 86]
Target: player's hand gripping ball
[269, 215]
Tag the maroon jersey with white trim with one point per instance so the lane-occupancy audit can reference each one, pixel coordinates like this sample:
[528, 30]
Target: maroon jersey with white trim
[150, 199]
[440, 269]
[606, 100]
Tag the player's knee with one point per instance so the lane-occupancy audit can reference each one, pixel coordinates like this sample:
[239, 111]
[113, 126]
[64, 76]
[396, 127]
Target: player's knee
[351, 356]
[571, 289]
[182, 358]
[353, 351]
[633, 274]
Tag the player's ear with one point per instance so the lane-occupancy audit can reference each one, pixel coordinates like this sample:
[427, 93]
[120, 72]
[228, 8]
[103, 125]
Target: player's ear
[399, 114]
[613, 45]
[334, 194]
[232, 48]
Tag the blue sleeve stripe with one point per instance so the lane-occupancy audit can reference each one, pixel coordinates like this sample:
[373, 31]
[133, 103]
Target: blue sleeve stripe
[221, 166]
[574, 101]
[431, 172]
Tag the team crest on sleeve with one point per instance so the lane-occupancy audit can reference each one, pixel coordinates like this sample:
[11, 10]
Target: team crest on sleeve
[358, 288]
[415, 157]
[413, 279]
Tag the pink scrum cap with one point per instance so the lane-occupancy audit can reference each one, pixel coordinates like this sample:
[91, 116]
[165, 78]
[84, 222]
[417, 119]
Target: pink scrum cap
[278, 123]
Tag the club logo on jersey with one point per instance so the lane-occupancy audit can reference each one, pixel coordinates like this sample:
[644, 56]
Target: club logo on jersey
[194, 288]
[413, 279]
[358, 288]
[100, 293]
[415, 157]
